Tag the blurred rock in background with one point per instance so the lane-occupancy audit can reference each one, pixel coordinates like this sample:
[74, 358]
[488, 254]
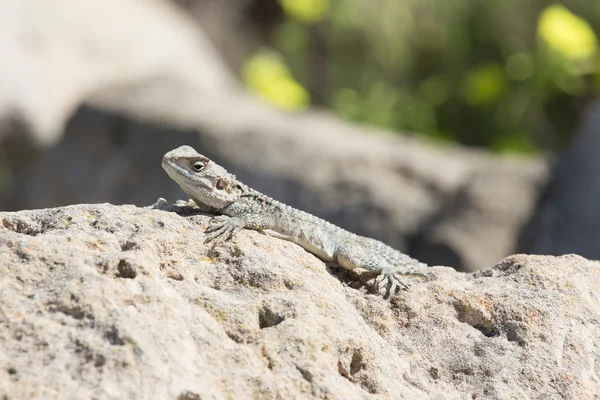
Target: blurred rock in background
[92, 95]
[568, 217]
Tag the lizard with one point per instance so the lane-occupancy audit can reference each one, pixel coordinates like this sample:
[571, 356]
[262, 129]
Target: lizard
[215, 190]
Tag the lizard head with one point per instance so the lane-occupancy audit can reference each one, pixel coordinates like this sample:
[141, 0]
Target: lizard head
[206, 182]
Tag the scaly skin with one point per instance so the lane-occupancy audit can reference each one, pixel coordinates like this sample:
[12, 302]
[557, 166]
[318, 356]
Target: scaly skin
[214, 189]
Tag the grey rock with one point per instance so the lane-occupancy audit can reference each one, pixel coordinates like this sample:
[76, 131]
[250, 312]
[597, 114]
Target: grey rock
[112, 302]
[568, 217]
[486, 216]
[58, 54]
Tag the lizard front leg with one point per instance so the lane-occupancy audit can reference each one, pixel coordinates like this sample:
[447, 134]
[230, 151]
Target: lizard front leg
[224, 228]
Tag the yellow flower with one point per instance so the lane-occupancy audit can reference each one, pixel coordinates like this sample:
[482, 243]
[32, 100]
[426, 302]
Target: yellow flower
[308, 11]
[565, 32]
[268, 77]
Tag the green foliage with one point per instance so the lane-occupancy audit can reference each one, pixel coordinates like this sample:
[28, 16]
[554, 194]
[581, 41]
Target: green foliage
[484, 85]
[510, 75]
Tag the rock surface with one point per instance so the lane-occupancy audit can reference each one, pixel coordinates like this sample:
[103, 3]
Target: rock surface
[113, 302]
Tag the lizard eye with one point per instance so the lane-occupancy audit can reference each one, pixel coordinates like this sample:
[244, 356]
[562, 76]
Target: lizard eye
[198, 166]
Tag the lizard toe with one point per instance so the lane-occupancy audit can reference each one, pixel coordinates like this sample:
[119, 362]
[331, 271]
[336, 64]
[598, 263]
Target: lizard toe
[223, 236]
[223, 229]
[214, 234]
[389, 280]
[393, 288]
[233, 232]
[216, 223]
[381, 281]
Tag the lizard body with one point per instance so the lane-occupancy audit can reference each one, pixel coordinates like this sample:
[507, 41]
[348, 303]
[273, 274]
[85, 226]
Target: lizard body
[214, 189]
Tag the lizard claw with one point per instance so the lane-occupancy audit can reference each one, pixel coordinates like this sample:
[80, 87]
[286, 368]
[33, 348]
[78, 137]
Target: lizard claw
[391, 278]
[216, 223]
[222, 229]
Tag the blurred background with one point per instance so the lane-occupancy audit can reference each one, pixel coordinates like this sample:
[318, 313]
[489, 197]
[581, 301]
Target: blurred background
[458, 131]
[506, 76]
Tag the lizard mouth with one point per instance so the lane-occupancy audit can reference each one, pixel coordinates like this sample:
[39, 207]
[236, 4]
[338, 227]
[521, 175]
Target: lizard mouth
[182, 176]
[173, 170]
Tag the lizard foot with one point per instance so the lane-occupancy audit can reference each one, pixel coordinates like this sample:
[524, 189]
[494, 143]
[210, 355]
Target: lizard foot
[222, 228]
[391, 277]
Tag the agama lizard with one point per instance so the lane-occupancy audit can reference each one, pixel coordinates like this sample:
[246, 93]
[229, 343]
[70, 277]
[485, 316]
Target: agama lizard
[214, 189]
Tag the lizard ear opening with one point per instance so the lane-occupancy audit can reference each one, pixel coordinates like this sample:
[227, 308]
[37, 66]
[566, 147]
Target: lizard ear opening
[221, 184]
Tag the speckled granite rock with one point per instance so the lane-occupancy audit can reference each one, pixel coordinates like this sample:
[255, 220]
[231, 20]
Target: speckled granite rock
[113, 302]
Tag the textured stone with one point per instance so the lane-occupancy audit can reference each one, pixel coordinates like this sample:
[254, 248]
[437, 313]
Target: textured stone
[112, 302]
